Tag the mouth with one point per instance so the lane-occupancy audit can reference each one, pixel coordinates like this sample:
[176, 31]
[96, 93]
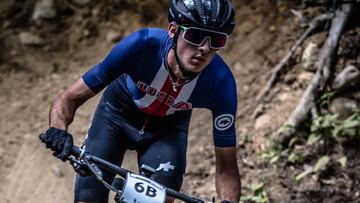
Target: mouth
[198, 59]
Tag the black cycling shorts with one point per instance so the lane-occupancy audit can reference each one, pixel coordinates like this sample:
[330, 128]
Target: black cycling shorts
[116, 128]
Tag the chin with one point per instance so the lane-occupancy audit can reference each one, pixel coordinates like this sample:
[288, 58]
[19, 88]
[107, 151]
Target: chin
[194, 68]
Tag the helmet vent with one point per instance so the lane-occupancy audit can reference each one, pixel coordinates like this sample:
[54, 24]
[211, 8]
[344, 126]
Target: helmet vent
[214, 11]
[200, 10]
[226, 12]
[183, 6]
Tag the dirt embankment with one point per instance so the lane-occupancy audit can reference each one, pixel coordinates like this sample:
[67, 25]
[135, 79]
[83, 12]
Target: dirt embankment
[40, 57]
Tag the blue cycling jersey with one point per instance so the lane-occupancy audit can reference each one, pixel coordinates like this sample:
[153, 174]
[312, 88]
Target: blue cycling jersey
[138, 63]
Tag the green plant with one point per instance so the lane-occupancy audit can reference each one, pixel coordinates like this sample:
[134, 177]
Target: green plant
[325, 122]
[348, 128]
[296, 157]
[313, 138]
[342, 161]
[339, 129]
[287, 126]
[331, 124]
[258, 194]
[272, 154]
[320, 165]
[326, 98]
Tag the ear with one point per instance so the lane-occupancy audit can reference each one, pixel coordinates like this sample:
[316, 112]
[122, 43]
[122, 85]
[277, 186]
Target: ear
[172, 27]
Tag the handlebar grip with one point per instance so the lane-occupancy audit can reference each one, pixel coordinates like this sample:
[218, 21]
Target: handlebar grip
[75, 151]
[41, 136]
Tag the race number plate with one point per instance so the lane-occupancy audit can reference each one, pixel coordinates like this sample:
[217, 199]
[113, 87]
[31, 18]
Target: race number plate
[139, 189]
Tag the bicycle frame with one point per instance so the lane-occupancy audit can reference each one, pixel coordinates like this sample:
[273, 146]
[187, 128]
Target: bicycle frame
[81, 158]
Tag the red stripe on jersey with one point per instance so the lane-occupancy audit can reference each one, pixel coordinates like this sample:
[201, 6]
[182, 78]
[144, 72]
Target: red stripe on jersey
[164, 99]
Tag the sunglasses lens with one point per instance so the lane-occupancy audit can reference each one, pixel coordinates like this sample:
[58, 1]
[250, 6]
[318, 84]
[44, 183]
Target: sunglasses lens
[218, 40]
[194, 36]
[197, 36]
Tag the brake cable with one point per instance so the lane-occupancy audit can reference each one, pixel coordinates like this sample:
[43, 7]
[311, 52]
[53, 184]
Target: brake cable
[84, 160]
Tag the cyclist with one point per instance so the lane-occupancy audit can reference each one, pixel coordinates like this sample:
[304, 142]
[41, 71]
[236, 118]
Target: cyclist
[154, 79]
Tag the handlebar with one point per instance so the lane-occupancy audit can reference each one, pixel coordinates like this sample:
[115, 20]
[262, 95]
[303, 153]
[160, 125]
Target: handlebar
[76, 151]
[80, 154]
[100, 162]
[80, 157]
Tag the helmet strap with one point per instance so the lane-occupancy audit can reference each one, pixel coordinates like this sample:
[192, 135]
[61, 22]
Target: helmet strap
[188, 75]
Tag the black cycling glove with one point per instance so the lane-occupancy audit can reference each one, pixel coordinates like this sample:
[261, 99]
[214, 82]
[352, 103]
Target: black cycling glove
[59, 141]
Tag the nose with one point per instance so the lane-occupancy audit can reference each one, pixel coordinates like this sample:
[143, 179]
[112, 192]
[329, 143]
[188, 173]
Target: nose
[205, 46]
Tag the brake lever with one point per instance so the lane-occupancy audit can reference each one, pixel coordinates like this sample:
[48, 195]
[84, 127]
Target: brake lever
[79, 167]
[94, 169]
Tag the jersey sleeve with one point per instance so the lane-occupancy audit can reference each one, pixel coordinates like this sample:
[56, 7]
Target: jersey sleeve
[224, 113]
[120, 60]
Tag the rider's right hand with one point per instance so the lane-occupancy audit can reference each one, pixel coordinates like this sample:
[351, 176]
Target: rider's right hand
[59, 141]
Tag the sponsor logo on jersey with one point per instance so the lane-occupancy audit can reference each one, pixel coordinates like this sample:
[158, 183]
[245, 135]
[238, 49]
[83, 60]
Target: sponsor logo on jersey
[182, 105]
[224, 122]
[146, 88]
[163, 97]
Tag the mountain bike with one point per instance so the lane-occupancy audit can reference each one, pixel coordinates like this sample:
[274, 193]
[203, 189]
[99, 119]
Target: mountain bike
[129, 187]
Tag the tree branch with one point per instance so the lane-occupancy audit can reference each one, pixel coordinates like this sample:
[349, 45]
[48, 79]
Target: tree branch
[280, 66]
[320, 80]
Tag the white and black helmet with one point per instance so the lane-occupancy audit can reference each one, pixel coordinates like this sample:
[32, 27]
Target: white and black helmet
[215, 15]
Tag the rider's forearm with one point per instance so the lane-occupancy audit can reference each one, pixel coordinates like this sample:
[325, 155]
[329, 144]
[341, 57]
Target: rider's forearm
[228, 185]
[62, 112]
[63, 109]
[227, 175]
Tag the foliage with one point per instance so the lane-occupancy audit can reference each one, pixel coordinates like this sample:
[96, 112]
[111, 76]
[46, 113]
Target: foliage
[348, 127]
[322, 123]
[339, 129]
[320, 165]
[303, 174]
[326, 98]
[296, 157]
[272, 154]
[287, 126]
[330, 125]
[342, 161]
[258, 195]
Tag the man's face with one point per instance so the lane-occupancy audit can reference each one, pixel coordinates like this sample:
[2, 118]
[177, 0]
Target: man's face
[194, 58]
